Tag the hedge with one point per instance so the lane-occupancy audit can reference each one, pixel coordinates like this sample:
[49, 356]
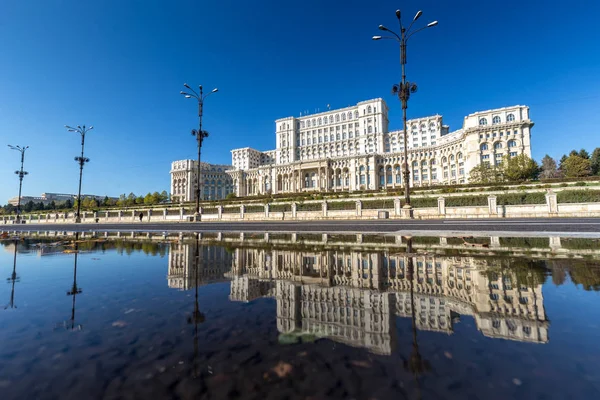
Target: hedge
[579, 243]
[423, 202]
[313, 237]
[376, 204]
[521, 198]
[527, 242]
[255, 209]
[309, 207]
[466, 201]
[578, 196]
[341, 205]
[280, 207]
[209, 210]
[231, 210]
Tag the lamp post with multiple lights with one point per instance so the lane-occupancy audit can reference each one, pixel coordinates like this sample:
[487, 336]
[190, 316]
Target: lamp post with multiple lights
[13, 277]
[21, 174]
[82, 130]
[200, 135]
[404, 89]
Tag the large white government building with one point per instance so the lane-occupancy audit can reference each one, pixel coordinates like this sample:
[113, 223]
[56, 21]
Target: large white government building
[214, 185]
[352, 149]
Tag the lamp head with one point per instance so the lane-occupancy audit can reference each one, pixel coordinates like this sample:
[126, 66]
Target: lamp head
[376, 37]
[433, 23]
[418, 15]
[187, 86]
[383, 28]
[215, 90]
[398, 14]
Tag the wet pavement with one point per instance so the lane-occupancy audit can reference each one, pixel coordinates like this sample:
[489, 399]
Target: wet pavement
[307, 316]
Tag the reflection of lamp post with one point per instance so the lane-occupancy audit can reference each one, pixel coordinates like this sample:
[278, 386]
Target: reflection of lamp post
[75, 290]
[415, 362]
[82, 130]
[13, 278]
[197, 317]
[21, 174]
[404, 89]
[200, 135]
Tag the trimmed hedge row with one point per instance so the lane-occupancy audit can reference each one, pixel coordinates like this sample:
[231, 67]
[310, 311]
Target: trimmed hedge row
[578, 196]
[466, 201]
[521, 198]
[280, 207]
[309, 207]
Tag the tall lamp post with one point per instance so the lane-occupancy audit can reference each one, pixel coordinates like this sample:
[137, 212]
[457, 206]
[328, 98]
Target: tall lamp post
[82, 130]
[200, 135]
[404, 89]
[21, 174]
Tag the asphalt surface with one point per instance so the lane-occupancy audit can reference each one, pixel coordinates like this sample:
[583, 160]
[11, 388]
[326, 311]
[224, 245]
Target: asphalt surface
[589, 227]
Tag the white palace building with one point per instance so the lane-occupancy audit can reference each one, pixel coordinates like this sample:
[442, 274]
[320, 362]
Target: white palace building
[352, 149]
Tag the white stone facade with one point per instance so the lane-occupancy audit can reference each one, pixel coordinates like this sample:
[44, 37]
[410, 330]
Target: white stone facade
[215, 185]
[352, 149]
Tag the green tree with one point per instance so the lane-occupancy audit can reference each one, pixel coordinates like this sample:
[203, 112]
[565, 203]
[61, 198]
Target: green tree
[51, 205]
[595, 161]
[561, 162]
[38, 206]
[139, 200]
[155, 198]
[164, 196]
[148, 199]
[575, 166]
[106, 201]
[548, 169]
[520, 168]
[68, 204]
[483, 173]
[584, 154]
[130, 199]
[28, 206]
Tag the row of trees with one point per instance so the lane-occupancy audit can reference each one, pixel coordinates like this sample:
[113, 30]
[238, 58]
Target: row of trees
[90, 203]
[522, 168]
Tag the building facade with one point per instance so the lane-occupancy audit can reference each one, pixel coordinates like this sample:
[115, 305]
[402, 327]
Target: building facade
[215, 185]
[352, 149]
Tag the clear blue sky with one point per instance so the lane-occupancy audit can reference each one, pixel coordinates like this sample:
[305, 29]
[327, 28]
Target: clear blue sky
[119, 65]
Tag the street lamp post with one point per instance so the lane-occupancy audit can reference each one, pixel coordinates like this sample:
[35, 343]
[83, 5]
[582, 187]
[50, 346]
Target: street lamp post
[404, 89]
[21, 174]
[82, 130]
[13, 277]
[200, 136]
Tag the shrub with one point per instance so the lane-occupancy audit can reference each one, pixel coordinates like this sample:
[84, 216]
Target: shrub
[280, 207]
[341, 205]
[309, 207]
[578, 196]
[255, 209]
[466, 201]
[521, 198]
[376, 204]
[423, 202]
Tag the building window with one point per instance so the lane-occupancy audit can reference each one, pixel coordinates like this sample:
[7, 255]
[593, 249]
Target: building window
[482, 121]
[483, 146]
[510, 118]
[495, 120]
[512, 143]
[513, 153]
[497, 145]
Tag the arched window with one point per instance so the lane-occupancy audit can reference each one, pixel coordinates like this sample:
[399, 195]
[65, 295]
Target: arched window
[495, 120]
[452, 158]
[512, 143]
[319, 121]
[482, 121]
[369, 129]
[497, 145]
[414, 127]
[349, 115]
[422, 126]
[369, 110]
[460, 156]
[431, 125]
[337, 118]
[314, 123]
[444, 160]
[308, 123]
[331, 119]
[510, 118]
[483, 146]
[343, 117]
[302, 124]
[356, 114]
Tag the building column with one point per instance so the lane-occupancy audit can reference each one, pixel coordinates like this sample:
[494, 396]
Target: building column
[441, 206]
[493, 206]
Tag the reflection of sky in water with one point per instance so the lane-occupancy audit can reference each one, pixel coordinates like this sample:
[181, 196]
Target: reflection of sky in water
[136, 336]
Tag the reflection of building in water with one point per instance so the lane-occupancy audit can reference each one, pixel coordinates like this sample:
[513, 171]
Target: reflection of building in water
[213, 263]
[352, 297]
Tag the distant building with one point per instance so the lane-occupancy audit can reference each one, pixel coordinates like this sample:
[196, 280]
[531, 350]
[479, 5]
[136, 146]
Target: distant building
[215, 185]
[47, 198]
